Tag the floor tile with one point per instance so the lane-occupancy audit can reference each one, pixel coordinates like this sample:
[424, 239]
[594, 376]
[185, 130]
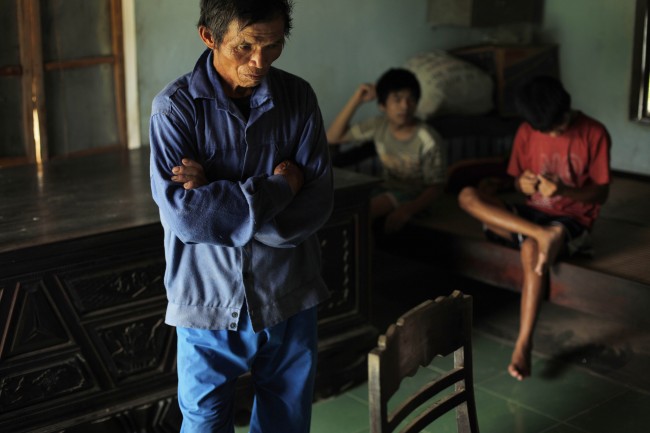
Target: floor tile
[491, 356]
[342, 414]
[563, 428]
[560, 397]
[628, 413]
[499, 415]
[360, 393]
[581, 362]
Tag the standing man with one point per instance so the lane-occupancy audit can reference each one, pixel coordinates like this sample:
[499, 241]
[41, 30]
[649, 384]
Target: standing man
[560, 162]
[241, 174]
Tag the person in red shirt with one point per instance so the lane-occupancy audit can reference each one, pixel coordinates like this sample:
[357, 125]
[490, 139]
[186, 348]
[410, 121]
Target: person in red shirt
[560, 162]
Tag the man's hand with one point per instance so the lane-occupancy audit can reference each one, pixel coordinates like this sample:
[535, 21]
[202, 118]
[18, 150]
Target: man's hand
[528, 182]
[190, 174]
[292, 173]
[550, 185]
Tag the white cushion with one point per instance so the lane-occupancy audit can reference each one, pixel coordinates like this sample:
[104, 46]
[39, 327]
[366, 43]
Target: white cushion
[450, 85]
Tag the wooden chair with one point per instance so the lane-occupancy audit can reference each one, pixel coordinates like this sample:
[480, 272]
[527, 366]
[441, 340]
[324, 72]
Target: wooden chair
[433, 328]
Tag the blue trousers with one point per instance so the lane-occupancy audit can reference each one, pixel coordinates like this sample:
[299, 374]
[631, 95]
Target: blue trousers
[282, 362]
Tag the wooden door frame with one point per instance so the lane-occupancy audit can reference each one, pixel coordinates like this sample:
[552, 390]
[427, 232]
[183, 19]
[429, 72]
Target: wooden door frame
[32, 69]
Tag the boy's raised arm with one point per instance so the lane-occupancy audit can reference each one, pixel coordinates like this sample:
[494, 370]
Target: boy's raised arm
[341, 124]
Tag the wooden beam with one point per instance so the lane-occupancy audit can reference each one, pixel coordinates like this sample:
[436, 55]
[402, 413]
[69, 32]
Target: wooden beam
[34, 113]
[79, 63]
[118, 70]
[24, 38]
[11, 71]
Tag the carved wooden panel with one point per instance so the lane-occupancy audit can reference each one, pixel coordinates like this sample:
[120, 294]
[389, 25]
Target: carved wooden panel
[339, 247]
[83, 339]
[115, 285]
[83, 343]
[161, 416]
[32, 322]
[135, 347]
[48, 381]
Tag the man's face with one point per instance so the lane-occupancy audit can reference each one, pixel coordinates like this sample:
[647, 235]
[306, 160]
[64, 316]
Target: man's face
[245, 55]
[400, 107]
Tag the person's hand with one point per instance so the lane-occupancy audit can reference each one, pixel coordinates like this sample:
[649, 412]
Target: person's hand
[365, 93]
[292, 173]
[190, 174]
[550, 185]
[528, 182]
[396, 220]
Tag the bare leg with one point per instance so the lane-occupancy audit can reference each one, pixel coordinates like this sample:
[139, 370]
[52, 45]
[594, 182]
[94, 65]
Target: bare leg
[548, 247]
[540, 248]
[501, 221]
[531, 298]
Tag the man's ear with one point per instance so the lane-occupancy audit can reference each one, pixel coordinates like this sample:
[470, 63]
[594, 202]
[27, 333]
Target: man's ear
[207, 37]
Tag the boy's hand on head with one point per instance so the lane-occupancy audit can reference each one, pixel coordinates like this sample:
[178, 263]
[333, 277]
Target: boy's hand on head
[528, 182]
[190, 174]
[366, 92]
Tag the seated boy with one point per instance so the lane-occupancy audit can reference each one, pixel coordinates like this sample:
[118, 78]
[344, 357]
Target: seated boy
[560, 161]
[412, 156]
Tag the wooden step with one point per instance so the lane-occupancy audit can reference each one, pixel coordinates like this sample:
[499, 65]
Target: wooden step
[572, 285]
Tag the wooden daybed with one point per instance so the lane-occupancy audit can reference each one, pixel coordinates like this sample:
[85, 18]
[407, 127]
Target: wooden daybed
[613, 283]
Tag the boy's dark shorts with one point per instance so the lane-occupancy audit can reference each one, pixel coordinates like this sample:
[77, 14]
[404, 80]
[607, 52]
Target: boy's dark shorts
[577, 235]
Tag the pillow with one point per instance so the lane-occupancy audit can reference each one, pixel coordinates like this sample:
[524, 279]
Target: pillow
[450, 85]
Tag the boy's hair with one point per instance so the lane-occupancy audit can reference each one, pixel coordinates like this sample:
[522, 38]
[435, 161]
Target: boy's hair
[217, 15]
[396, 79]
[543, 102]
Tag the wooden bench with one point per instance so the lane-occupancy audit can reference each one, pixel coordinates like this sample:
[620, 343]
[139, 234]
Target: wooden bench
[613, 283]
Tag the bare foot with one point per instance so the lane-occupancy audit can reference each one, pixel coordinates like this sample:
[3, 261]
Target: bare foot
[519, 367]
[550, 243]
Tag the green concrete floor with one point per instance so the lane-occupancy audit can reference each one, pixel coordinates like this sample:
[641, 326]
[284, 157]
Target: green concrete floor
[589, 375]
[576, 401]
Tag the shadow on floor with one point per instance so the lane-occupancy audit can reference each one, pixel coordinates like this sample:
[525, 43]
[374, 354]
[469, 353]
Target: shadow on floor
[613, 350]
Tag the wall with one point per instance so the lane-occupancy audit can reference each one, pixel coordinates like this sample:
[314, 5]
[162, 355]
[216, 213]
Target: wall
[337, 44]
[333, 46]
[596, 38]
[336, 47]
[168, 45]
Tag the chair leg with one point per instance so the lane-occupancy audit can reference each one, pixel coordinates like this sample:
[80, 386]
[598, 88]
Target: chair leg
[466, 418]
[471, 412]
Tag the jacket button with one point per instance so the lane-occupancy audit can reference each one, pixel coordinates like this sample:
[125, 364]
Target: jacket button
[233, 325]
[234, 314]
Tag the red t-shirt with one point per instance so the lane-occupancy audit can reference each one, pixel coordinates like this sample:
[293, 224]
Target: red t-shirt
[579, 157]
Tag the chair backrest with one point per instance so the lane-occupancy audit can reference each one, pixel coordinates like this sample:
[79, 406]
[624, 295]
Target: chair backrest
[433, 328]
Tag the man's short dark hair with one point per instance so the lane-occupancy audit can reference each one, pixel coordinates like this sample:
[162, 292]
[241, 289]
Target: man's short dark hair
[394, 80]
[543, 102]
[217, 15]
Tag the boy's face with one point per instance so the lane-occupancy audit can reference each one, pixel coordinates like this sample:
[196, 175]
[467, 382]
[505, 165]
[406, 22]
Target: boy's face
[562, 127]
[399, 107]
